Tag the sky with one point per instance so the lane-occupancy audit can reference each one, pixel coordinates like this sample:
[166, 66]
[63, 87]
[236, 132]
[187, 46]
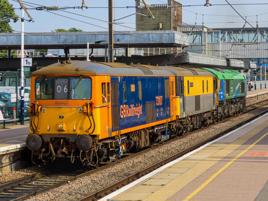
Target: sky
[95, 19]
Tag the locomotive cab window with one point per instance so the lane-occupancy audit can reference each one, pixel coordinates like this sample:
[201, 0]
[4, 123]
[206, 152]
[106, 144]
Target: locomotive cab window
[80, 88]
[74, 88]
[105, 89]
[44, 88]
[61, 88]
[108, 92]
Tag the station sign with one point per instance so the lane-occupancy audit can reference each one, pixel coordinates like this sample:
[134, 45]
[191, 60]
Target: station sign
[28, 62]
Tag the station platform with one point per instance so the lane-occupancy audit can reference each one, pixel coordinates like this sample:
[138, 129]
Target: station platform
[233, 167]
[256, 92]
[13, 138]
[12, 148]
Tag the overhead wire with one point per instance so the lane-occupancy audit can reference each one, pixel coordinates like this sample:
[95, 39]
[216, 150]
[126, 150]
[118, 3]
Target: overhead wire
[229, 52]
[46, 8]
[80, 15]
[93, 18]
[64, 16]
[244, 18]
[115, 23]
[67, 17]
[63, 9]
[238, 13]
[186, 5]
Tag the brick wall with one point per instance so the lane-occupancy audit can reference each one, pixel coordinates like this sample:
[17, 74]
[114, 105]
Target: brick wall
[167, 16]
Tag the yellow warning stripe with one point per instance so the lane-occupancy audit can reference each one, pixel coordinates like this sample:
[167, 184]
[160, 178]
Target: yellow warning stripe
[216, 174]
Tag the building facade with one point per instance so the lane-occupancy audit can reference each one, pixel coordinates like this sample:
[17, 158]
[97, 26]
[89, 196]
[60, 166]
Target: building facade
[237, 43]
[166, 16]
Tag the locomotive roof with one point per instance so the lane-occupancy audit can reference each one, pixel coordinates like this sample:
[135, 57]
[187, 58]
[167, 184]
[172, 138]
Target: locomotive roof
[226, 74]
[119, 69]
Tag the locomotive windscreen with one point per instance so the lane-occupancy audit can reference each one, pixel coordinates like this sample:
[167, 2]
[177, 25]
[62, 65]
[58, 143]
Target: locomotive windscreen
[62, 88]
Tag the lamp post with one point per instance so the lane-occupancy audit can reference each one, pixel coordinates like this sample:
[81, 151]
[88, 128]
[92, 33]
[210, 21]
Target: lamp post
[23, 11]
[22, 70]
[111, 32]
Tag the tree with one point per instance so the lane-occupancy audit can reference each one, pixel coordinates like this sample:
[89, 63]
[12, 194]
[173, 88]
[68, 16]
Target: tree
[73, 29]
[7, 14]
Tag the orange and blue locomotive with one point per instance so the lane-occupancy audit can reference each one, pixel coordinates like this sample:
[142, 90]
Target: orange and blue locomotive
[92, 112]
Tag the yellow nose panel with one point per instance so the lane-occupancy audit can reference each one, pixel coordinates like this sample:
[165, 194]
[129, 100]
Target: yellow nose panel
[57, 120]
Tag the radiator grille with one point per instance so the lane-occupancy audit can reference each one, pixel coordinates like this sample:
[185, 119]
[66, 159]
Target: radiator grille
[197, 103]
[150, 112]
[115, 106]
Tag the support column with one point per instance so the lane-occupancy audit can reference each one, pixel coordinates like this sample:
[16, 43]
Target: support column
[126, 52]
[265, 78]
[66, 53]
[9, 54]
[111, 34]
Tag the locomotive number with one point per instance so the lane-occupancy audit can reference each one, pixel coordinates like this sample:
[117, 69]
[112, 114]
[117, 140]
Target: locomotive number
[59, 89]
[159, 100]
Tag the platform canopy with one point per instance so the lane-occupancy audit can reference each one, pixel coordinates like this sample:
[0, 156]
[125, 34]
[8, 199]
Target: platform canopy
[61, 40]
[205, 60]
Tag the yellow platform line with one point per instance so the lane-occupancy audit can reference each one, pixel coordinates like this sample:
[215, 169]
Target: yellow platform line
[216, 174]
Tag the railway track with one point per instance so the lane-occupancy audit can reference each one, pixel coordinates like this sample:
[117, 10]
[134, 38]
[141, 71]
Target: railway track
[22, 189]
[31, 185]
